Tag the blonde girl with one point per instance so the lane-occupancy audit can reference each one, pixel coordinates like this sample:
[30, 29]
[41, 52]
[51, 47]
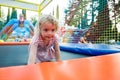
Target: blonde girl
[44, 45]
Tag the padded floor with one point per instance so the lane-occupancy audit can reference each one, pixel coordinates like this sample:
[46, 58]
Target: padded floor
[14, 55]
[69, 55]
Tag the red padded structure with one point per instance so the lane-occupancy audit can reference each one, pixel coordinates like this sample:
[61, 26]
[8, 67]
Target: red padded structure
[106, 67]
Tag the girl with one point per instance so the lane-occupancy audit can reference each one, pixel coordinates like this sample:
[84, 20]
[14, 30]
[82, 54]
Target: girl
[44, 45]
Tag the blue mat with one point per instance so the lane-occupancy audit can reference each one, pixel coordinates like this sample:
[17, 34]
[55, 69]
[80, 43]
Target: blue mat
[90, 49]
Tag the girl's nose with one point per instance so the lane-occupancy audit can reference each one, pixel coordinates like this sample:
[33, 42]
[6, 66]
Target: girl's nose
[50, 32]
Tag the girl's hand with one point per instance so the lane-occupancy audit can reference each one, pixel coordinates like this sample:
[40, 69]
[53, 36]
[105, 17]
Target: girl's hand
[58, 60]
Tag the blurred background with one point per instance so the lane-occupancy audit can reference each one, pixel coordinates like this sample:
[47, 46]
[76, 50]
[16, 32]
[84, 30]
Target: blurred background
[97, 20]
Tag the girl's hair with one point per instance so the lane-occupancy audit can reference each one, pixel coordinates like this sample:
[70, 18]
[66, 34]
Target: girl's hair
[43, 19]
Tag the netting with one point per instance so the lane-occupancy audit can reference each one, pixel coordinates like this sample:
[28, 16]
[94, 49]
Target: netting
[101, 17]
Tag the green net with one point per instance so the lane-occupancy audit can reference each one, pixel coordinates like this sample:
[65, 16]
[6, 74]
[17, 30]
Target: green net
[101, 17]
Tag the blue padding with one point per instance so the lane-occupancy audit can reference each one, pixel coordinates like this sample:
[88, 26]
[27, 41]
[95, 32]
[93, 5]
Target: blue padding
[90, 49]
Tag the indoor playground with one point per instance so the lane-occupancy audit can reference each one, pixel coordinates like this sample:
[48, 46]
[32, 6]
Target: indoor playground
[89, 39]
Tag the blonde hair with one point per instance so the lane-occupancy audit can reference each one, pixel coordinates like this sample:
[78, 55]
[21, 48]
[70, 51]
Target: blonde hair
[43, 19]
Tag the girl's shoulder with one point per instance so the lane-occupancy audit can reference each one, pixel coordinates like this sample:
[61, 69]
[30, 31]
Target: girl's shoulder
[35, 40]
[56, 38]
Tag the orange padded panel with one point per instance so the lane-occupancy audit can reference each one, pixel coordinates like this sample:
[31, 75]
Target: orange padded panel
[106, 67]
[14, 43]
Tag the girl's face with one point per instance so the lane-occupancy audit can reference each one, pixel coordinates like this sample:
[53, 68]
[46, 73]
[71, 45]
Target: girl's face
[48, 31]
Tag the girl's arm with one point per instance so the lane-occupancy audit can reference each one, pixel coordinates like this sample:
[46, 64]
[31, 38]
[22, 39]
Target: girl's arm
[57, 51]
[32, 54]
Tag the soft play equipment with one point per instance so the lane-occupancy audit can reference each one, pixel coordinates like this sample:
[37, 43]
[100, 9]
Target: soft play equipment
[72, 35]
[13, 53]
[12, 29]
[106, 67]
[16, 53]
[90, 49]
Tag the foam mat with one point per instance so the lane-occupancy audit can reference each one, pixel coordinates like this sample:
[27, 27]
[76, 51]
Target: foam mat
[106, 67]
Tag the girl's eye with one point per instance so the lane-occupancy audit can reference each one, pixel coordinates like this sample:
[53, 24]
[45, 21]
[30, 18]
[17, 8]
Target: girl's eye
[53, 30]
[45, 30]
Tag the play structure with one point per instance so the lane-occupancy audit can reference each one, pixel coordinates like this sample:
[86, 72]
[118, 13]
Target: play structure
[101, 62]
[70, 42]
[100, 19]
[93, 68]
[13, 29]
[72, 35]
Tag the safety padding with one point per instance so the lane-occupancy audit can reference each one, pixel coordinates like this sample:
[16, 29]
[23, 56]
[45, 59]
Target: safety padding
[90, 49]
[13, 53]
[16, 53]
[106, 67]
